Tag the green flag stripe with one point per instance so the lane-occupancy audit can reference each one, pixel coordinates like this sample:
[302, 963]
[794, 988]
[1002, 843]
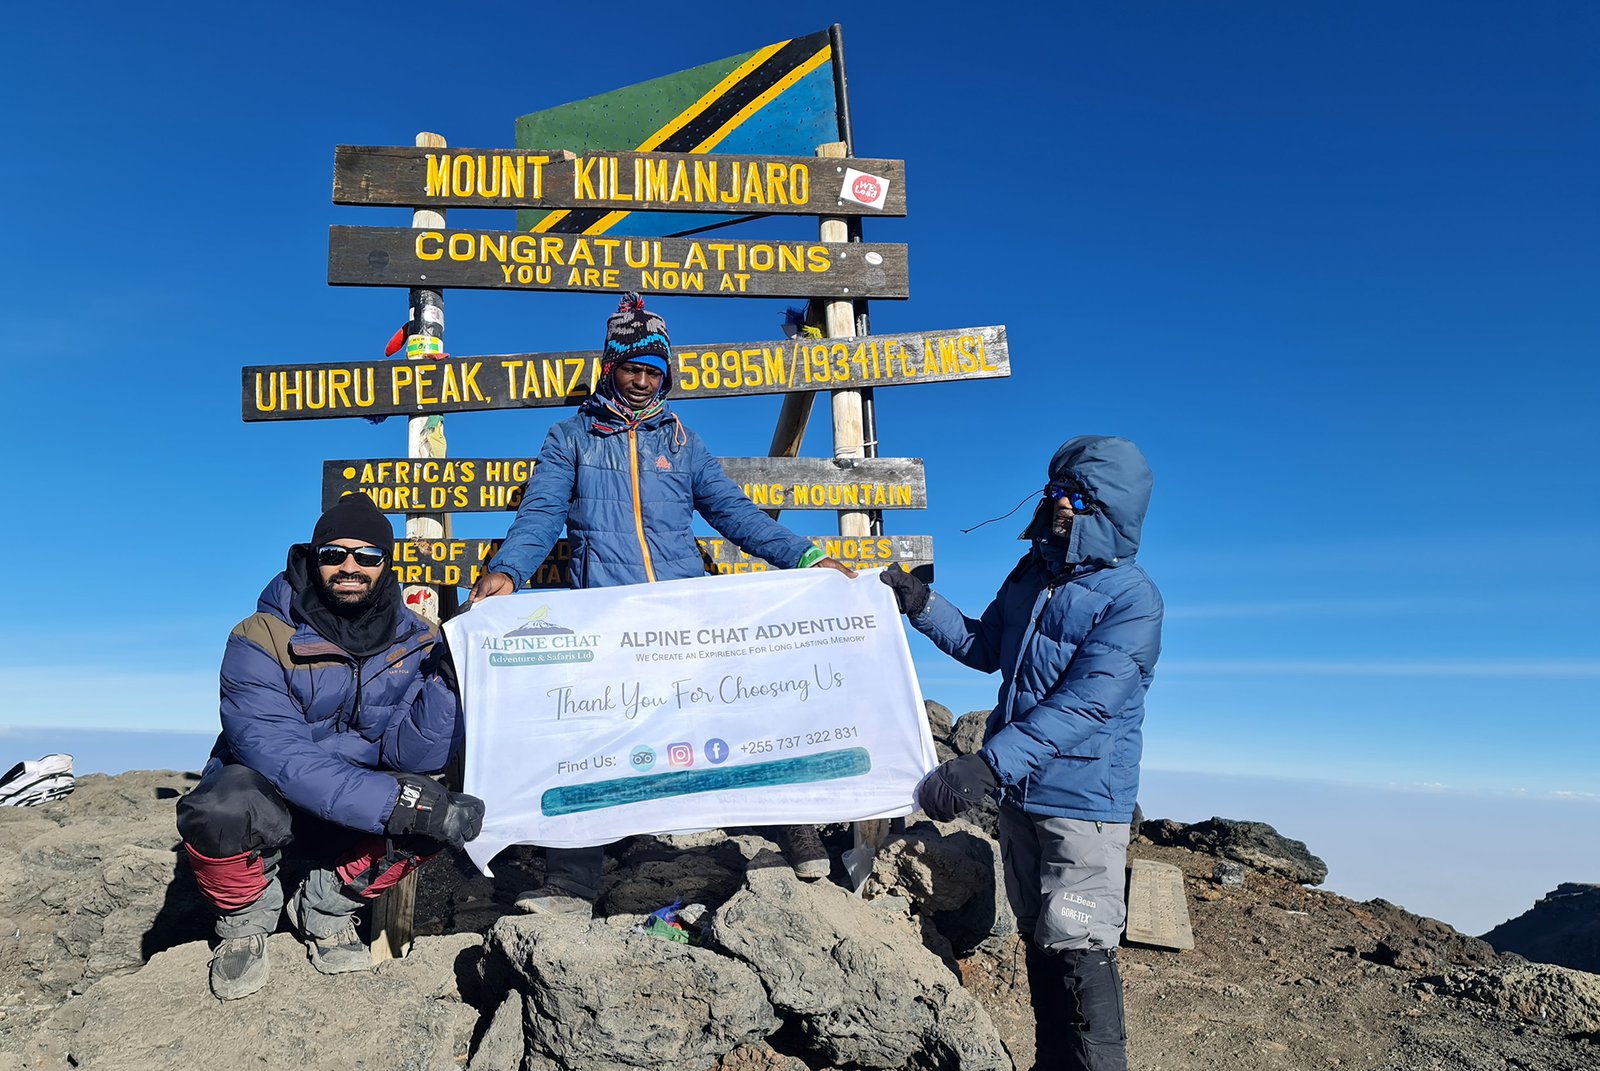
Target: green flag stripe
[713, 115]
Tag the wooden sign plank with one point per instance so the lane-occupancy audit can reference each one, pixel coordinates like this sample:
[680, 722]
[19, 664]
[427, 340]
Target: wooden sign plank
[488, 484]
[1158, 913]
[534, 380]
[722, 183]
[702, 267]
[460, 562]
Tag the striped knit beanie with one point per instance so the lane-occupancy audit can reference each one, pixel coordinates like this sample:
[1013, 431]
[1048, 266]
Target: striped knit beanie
[633, 334]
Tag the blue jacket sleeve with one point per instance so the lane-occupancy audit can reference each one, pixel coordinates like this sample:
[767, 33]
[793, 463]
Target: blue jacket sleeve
[973, 643]
[719, 500]
[1108, 667]
[267, 731]
[424, 739]
[543, 512]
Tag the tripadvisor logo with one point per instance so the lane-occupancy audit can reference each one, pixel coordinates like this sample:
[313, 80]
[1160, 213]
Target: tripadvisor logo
[539, 641]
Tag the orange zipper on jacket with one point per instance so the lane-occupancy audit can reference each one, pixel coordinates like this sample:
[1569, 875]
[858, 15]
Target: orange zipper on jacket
[638, 509]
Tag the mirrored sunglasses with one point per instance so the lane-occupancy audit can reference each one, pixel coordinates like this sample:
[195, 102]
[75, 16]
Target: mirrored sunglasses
[367, 557]
[1079, 502]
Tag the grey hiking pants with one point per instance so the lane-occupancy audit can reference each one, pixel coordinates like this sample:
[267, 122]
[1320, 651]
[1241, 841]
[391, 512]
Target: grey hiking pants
[242, 824]
[1066, 879]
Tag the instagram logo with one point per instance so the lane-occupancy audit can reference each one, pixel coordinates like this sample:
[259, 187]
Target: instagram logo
[680, 755]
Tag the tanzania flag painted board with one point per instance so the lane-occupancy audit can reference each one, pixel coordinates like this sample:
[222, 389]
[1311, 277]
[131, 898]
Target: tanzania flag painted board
[778, 99]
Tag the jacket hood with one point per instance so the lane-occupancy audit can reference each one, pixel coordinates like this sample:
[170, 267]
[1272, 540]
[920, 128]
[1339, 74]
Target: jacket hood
[285, 597]
[1112, 472]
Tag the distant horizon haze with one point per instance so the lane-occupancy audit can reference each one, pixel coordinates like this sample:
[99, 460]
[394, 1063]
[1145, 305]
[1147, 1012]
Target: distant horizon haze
[1416, 846]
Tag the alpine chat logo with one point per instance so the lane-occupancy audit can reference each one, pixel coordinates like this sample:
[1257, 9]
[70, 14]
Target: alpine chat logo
[536, 625]
[538, 641]
[716, 751]
[680, 755]
[642, 758]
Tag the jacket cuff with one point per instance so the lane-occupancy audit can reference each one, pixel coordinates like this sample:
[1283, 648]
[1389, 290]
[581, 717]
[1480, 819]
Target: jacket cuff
[987, 754]
[501, 567]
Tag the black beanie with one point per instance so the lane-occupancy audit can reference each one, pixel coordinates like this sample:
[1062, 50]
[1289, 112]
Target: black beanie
[354, 517]
[635, 335]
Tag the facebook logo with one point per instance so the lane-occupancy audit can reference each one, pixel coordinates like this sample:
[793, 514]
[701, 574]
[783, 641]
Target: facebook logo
[716, 750]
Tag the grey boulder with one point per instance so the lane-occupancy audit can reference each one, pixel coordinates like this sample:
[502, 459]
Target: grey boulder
[857, 981]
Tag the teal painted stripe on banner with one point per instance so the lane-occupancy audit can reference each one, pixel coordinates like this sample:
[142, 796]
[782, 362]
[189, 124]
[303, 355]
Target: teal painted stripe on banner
[598, 795]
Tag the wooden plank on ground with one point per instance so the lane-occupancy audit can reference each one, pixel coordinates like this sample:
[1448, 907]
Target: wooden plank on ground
[535, 380]
[1158, 913]
[699, 267]
[489, 484]
[460, 562]
[622, 181]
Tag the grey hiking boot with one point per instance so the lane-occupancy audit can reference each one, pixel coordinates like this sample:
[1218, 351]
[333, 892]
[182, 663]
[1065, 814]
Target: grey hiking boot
[239, 966]
[803, 848]
[555, 901]
[341, 952]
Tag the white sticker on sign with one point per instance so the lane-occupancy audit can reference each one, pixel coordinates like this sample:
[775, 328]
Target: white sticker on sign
[864, 189]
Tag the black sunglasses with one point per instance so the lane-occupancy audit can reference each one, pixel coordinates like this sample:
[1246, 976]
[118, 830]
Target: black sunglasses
[366, 557]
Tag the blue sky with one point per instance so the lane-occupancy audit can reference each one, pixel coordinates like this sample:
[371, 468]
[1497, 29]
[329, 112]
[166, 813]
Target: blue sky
[1332, 267]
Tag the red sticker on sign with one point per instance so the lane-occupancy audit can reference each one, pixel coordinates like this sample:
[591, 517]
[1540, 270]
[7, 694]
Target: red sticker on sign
[864, 189]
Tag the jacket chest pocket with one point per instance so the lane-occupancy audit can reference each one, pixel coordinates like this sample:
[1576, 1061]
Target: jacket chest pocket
[1069, 617]
[667, 498]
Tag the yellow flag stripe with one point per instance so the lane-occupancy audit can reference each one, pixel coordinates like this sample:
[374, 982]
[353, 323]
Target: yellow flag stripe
[764, 99]
[711, 96]
[677, 122]
[605, 222]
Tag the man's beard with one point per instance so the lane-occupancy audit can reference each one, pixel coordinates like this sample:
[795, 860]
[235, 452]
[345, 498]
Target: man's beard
[347, 602]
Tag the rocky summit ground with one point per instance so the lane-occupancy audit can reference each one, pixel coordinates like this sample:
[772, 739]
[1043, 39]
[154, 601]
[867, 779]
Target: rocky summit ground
[103, 952]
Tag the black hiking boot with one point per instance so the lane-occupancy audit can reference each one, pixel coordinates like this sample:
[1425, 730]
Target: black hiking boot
[803, 848]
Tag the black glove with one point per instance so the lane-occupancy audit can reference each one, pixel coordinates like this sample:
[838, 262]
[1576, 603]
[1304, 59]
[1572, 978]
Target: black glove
[955, 786]
[910, 591]
[426, 809]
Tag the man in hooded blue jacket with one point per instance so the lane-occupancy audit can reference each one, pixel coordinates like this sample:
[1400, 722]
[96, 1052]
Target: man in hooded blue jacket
[1074, 631]
[335, 699]
[625, 478]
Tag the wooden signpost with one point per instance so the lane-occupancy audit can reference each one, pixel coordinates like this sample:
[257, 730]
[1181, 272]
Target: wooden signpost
[584, 194]
[489, 484]
[532, 380]
[620, 181]
[704, 267]
[460, 562]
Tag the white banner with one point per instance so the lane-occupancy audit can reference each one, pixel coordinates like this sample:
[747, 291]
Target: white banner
[763, 699]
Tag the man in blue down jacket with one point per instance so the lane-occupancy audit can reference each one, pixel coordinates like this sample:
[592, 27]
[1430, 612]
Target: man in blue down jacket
[335, 697]
[1074, 631]
[625, 478]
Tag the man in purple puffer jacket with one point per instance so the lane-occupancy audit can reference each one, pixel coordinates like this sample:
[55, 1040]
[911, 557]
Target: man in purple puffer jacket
[335, 699]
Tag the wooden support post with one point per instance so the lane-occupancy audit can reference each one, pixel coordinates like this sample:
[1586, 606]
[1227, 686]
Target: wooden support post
[849, 440]
[393, 913]
[795, 414]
